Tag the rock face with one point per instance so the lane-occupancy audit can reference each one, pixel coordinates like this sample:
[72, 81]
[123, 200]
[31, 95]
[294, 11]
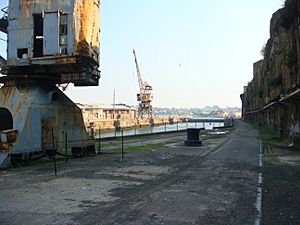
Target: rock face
[272, 98]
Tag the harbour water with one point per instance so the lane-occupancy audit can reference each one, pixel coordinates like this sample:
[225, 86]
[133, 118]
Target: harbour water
[160, 128]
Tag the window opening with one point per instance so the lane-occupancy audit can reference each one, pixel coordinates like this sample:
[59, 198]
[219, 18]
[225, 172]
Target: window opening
[63, 34]
[38, 33]
[22, 53]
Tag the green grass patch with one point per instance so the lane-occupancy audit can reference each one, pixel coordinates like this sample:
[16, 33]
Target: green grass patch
[105, 145]
[269, 137]
[143, 147]
[266, 135]
[41, 164]
[255, 125]
[272, 160]
[213, 136]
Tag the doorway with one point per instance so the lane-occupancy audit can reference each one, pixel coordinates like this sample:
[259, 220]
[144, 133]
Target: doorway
[6, 119]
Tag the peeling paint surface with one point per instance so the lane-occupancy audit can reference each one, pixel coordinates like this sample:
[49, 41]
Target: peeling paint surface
[35, 112]
[88, 25]
[68, 29]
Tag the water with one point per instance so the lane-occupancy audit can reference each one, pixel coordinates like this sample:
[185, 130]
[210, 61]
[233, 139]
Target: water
[162, 128]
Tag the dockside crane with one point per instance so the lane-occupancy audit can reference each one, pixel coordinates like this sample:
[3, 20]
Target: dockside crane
[46, 47]
[3, 28]
[145, 96]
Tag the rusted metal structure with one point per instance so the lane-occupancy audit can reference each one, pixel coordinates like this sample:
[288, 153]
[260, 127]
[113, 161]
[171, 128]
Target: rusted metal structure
[55, 40]
[49, 43]
[4, 21]
[145, 96]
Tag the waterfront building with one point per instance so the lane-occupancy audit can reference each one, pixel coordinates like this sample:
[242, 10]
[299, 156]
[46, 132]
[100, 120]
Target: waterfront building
[106, 116]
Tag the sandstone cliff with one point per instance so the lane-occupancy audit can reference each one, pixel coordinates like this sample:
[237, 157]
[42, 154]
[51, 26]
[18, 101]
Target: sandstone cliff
[272, 97]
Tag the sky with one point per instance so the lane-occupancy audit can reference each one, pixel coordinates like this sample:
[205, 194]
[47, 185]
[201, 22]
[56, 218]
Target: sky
[194, 53]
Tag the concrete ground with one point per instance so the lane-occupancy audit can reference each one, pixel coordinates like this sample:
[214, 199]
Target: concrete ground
[33, 195]
[281, 184]
[159, 181]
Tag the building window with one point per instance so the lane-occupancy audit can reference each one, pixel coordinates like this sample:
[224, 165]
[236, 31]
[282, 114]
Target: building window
[22, 53]
[63, 34]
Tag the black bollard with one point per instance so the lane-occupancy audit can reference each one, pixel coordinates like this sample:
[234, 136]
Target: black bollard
[193, 137]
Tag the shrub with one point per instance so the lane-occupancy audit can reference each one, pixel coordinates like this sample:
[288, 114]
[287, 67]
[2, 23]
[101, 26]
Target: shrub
[288, 14]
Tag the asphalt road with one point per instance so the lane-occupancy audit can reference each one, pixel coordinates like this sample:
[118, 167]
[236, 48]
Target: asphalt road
[216, 187]
[216, 184]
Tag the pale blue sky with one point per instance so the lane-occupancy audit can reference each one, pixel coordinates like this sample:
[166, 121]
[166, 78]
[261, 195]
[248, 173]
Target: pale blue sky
[193, 52]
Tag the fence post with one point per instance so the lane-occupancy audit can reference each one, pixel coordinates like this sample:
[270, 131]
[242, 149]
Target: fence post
[122, 144]
[66, 146]
[99, 144]
[177, 125]
[54, 153]
[165, 126]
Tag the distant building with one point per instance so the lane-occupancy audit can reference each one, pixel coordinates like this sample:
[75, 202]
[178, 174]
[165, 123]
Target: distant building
[105, 115]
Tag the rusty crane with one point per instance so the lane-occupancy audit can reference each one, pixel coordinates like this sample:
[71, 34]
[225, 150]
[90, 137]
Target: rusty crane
[49, 43]
[145, 96]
